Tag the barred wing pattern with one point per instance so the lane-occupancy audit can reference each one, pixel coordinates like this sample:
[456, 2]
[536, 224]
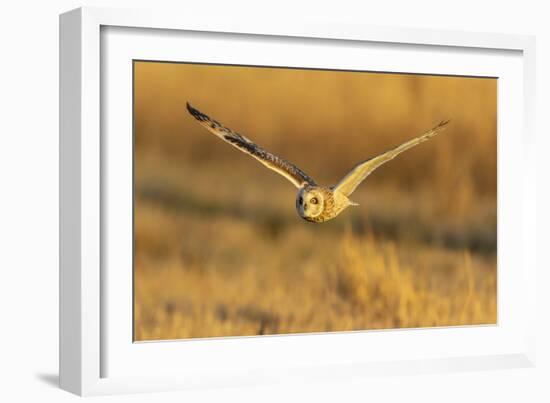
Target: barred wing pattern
[290, 171]
[359, 173]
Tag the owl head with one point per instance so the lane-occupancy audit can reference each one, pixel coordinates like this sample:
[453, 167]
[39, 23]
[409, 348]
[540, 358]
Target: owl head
[310, 202]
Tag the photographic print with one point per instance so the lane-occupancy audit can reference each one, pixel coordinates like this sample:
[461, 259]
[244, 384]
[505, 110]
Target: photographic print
[272, 200]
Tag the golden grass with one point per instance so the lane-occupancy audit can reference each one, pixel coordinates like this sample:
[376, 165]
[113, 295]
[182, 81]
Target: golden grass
[220, 250]
[213, 289]
[210, 262]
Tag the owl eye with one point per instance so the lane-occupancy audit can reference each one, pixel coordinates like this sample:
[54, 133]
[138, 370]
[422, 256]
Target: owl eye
[313, 200]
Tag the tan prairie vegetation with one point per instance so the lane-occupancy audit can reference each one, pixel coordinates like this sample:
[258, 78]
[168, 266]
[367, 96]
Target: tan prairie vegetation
[219, 248]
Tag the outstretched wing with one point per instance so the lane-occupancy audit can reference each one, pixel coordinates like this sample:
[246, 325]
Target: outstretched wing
[358, 174]
[279, 165]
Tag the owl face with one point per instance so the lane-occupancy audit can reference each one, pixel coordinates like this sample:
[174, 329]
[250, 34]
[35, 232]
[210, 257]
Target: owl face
[310, 202]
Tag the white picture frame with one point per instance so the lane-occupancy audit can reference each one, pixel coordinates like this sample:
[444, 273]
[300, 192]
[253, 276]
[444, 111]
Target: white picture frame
[96, 355]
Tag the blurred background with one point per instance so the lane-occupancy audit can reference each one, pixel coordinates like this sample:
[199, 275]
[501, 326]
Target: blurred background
[220, 249]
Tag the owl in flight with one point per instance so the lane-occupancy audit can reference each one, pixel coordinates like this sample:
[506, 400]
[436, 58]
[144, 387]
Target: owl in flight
[313, 202]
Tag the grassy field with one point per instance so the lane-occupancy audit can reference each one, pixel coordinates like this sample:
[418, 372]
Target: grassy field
[220, 250]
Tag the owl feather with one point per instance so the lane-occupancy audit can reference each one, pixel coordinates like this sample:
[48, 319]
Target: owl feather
[290, 171]
[360, 171]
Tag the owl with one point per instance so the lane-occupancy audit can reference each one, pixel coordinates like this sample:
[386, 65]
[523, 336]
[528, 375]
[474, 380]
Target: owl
[314, 203]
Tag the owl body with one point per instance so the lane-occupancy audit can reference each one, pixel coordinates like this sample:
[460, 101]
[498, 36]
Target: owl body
[320, 203]
[314, 203]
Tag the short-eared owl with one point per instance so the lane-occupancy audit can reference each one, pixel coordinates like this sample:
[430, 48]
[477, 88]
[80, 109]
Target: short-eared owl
[314, 203]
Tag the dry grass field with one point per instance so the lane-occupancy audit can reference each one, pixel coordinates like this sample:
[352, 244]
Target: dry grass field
[219, 248]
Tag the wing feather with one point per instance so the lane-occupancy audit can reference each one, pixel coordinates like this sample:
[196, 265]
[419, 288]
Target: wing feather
[290, 171]
[358, 174]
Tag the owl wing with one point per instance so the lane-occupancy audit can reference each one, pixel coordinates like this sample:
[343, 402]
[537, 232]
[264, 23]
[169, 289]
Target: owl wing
[358, 174]
[277, 164]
